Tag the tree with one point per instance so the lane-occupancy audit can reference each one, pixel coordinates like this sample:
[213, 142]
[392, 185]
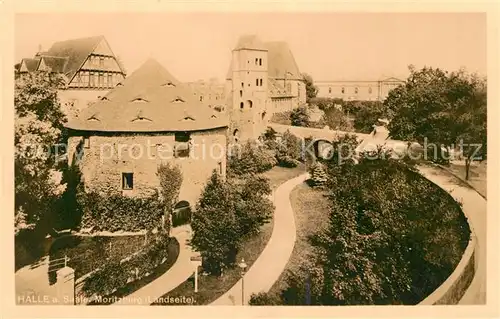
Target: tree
[337, 120]
[170, 184]
[368, 115]
[39, 128]
[311, 89]
[299, 117]
[227, 213]
[433, 108]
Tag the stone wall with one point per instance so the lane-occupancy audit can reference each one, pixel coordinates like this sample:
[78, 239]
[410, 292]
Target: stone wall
[107, 157]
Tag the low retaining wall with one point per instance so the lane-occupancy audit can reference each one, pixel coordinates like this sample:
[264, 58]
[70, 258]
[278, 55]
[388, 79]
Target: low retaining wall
[453, 289]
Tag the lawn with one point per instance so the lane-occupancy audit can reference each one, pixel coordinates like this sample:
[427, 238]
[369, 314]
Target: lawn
[87, 253]
[310, 209]
[209, 287]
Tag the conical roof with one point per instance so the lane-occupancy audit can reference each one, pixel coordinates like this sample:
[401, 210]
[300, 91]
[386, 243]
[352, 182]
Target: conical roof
[149, 100]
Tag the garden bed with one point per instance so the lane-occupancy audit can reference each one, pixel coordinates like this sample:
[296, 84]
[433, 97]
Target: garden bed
[173, 254]
[87, 253]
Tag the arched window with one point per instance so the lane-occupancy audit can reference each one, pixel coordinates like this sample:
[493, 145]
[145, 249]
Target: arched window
[236, 135]
[241, 93]
[260, 61]
[241, 105]
[256, 82]
[260, 81]
[249, 103]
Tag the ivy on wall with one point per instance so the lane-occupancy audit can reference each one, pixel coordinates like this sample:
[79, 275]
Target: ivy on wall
[116, 212]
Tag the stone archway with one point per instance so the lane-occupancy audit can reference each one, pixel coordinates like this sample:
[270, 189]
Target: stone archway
[249, 104]
[181, 214]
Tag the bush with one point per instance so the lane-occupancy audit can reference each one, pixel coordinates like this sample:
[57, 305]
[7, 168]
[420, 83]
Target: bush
[116, 212]
[318, 175]
[287, 161]
[325, 103]
[117, 273]
[392, 238]
[252, 159]
[300, 117]
[264, 299]
[227, 213]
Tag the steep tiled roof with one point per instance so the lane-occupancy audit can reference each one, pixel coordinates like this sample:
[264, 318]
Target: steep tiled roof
[76, 50]
[56, 64]
[281, 63]
[276, 90]
[31, 64]
[251, 42]
[149, 100]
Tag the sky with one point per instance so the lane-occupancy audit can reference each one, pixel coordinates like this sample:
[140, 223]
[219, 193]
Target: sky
[328, 46]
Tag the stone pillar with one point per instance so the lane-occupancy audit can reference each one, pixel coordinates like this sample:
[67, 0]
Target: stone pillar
[66, 286]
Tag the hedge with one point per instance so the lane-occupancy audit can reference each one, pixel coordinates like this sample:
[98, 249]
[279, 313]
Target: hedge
[116, 212]
[117, 273]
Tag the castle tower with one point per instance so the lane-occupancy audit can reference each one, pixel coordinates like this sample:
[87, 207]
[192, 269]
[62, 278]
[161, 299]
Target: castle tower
[248, 83]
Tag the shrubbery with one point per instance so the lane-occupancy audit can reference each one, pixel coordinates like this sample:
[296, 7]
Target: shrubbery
[300, 117]
[393, 237]
[251, 158]
[117, 212]
[117, 273]
[227, 213]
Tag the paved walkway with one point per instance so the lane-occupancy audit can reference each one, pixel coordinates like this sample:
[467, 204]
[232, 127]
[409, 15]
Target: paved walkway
[266, 270]
[474, 207]
[32, 283]
[177, 274]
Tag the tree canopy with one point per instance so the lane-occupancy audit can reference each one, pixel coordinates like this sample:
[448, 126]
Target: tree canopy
[311, 89]
[440, 108]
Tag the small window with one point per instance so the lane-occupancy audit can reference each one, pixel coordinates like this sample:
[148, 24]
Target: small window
[241, 93]
[260, 61]
[256, 82]
[343, 90]
[256, 60]
[201, 98]
[242, 84]
[260, 81]
[86, 142]
[182, 137]
[370, 90]
[127, 181]
[330, 90]
[182, 144]
[356, 90]
[241, 105]
[220, 168]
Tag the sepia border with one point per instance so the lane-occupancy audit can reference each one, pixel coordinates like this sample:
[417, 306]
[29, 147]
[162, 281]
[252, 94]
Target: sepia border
[8, 8]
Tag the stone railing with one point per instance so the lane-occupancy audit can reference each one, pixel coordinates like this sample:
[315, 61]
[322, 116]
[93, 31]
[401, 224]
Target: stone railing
[454, 287]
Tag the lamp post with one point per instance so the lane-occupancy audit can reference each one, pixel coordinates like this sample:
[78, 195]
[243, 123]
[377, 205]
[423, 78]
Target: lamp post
[243, 267]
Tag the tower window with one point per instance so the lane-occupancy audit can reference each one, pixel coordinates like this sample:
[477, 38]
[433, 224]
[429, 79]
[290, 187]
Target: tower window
[256, 82]
[242, 84]
[201, 98]
[256, 60]
[127, 181]
[241, 105]
[260, 82]
[260, 61]
[241, 93]
[86, 142]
